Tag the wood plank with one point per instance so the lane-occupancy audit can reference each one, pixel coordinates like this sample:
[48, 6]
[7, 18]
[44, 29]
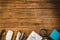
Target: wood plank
[29, 15]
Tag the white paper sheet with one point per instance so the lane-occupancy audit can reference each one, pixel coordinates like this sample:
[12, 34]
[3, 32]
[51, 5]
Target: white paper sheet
[34, 36]
[9, 35]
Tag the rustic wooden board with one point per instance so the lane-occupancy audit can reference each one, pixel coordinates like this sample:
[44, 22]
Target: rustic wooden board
[29, 15]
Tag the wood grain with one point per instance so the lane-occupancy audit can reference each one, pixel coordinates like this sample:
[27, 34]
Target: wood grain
[29, 15]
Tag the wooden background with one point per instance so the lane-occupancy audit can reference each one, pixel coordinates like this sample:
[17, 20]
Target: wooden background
[29, 15]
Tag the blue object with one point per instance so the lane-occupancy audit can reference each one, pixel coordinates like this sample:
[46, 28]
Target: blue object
[55, 35]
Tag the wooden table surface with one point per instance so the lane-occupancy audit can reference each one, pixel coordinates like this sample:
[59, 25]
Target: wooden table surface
[29, 15]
